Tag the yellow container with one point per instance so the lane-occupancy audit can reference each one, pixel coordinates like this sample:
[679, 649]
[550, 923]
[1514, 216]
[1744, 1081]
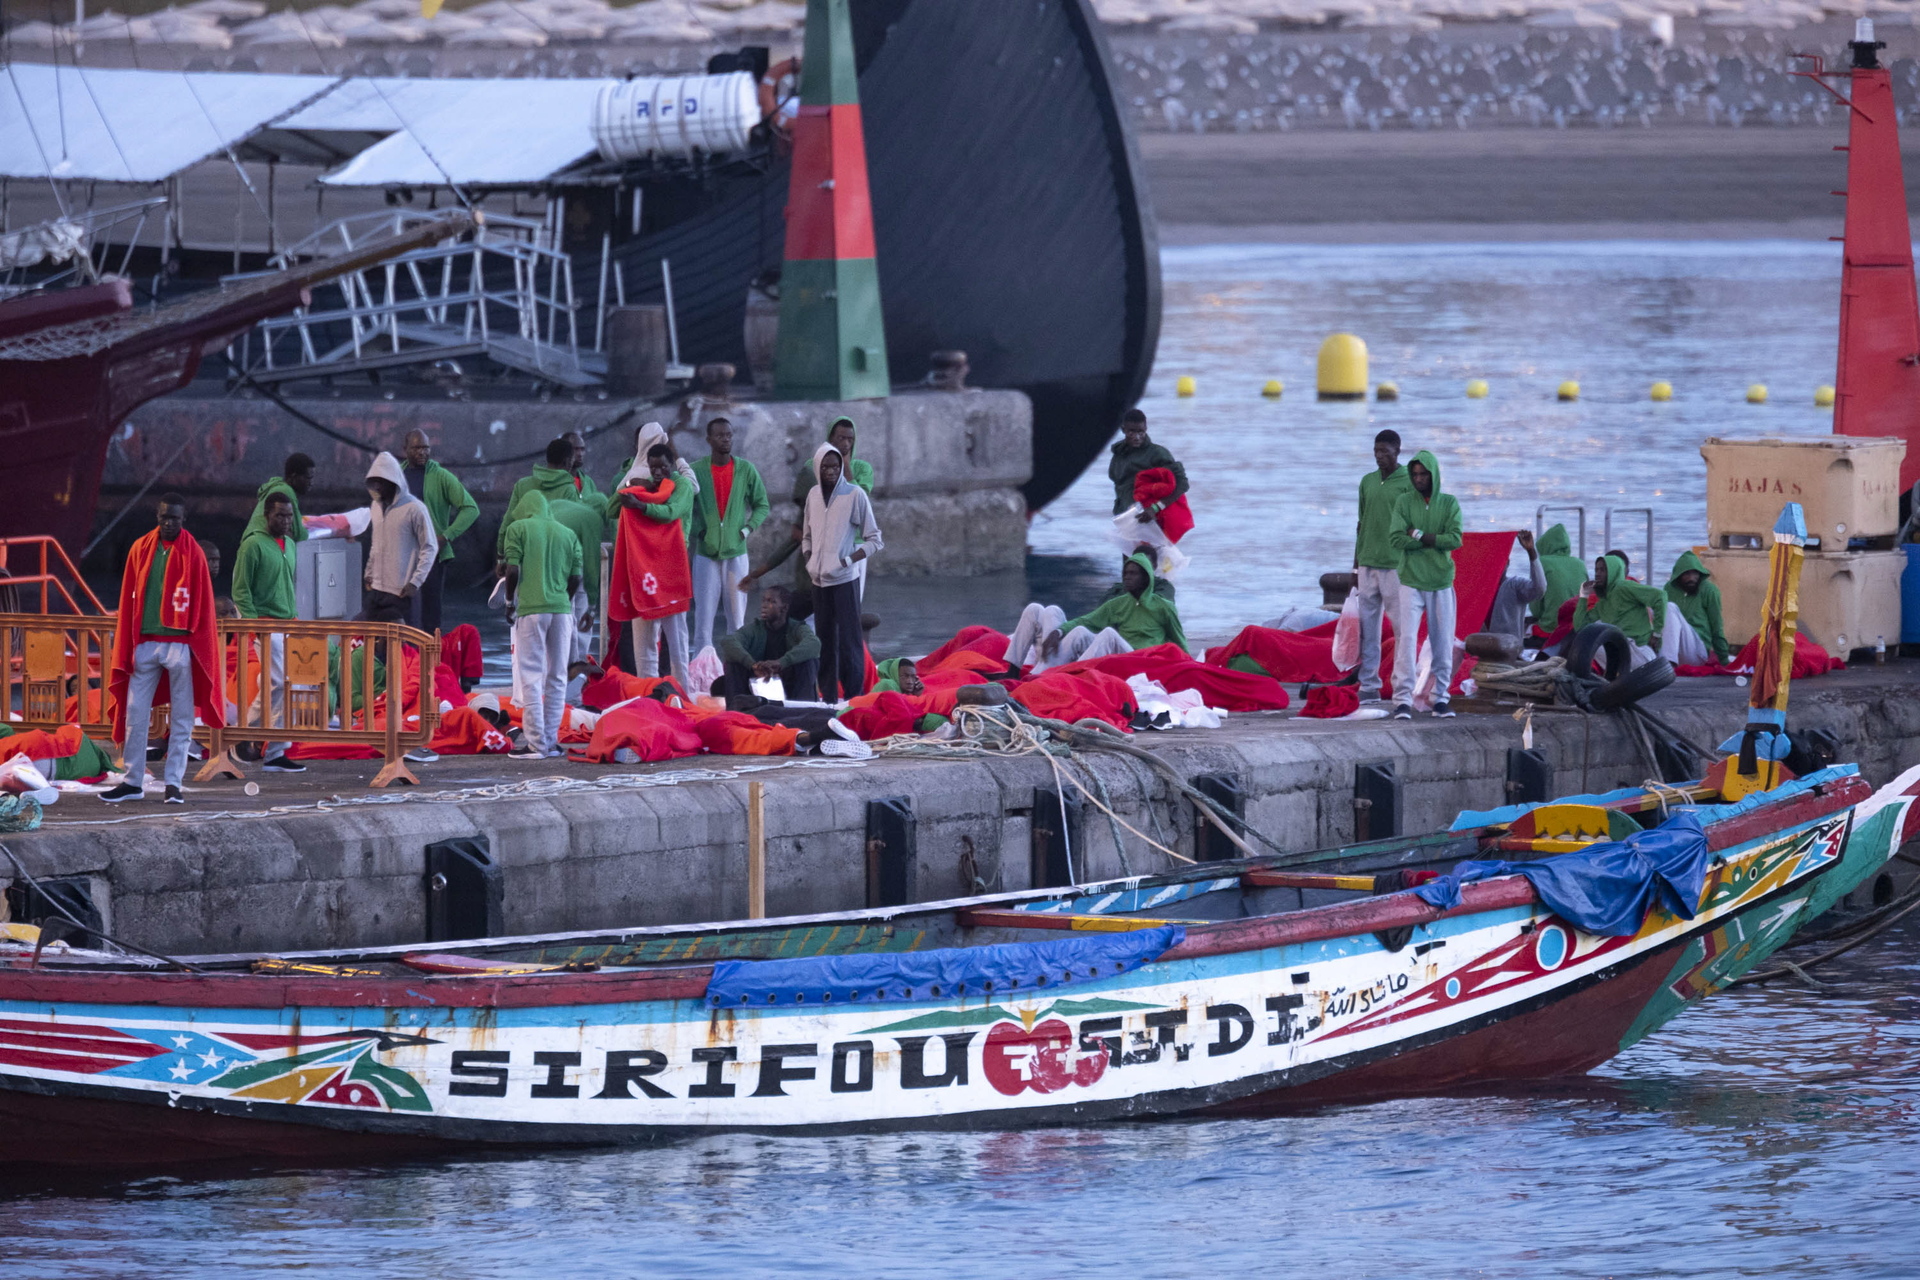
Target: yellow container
[1342, 372]
[1848, 599]
[1849, 487]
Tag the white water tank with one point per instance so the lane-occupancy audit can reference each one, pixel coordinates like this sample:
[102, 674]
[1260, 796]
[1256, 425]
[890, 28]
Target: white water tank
[675, 115]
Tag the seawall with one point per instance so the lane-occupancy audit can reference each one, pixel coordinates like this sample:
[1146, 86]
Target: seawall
[948, 466]
[321, 862]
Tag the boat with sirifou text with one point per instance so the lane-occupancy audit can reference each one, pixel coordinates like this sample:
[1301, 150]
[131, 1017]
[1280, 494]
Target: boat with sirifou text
[1231, 987]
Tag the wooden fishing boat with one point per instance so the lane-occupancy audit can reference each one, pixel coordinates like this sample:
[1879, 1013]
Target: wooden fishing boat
[1227, 988]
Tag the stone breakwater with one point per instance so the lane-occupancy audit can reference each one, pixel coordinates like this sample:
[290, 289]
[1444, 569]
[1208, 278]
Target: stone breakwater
[319, 862]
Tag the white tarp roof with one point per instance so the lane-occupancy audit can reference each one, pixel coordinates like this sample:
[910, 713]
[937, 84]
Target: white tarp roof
[135, 126]
[483, 132]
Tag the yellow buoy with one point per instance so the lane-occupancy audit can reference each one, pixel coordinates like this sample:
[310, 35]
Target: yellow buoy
[1273, 388]
[1569, 390]
[1342, 374]
[1387, 391]
[1757, 393]
[1477, 389]
[1185, 385]
[1662, 391]
[1823, 396]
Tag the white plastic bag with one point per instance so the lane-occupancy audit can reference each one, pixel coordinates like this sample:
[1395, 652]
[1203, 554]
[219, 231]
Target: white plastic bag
[19, 777]
[705, 668]
[1129, 531]
[1346, 634]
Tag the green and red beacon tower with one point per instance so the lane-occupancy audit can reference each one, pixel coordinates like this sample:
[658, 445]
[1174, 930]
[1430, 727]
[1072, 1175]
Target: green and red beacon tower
[833, 343]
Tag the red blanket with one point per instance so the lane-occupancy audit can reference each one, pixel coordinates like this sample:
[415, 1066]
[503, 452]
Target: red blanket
[465, 732]
[1809, 659]
[984, 640]
[187, 603]
[1330, 702]
[615, 686]
[884, 714]
[460, 649]
[651, 574]
[1153, 485]
[654, 731]
[1068, 695]
[1170, 666]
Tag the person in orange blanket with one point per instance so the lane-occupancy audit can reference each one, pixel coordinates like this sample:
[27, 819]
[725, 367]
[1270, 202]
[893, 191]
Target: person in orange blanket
[164, 628]
[652, 583]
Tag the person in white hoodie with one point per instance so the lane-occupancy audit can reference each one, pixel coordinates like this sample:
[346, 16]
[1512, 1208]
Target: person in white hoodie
[836, 512]
[402, 549]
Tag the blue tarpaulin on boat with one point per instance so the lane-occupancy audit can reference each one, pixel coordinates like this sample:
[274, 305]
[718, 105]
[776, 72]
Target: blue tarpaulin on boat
[1799, 786]
[951, 973]
[1604, 889]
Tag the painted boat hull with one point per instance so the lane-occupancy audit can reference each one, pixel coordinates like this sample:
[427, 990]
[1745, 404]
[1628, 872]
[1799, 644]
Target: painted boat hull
[1245, 1016]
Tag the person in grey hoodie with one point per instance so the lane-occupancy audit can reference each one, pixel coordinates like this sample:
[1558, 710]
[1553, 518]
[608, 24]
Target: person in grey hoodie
[401, 548]
[836, 511]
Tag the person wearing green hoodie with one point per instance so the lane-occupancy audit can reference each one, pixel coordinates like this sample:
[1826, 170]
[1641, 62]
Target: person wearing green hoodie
[1376, 565]
[1692, 635]
[557, 479]
[263, 588]
[1426, 531]
[1565, 574]
[1635, 608]
[586, 515]
[295, 478]
[449, 504]
[731, 504]
[1139, 619]
[543, 559]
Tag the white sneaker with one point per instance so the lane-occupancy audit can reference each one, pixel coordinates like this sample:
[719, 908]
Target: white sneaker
[842, 730]
[854, 750]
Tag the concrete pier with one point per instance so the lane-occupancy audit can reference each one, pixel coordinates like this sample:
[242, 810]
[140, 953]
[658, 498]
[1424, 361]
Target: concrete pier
[319, 861]
[948, 466]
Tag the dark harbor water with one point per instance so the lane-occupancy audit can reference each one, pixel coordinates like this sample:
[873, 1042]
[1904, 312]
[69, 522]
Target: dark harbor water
[1769, 1132]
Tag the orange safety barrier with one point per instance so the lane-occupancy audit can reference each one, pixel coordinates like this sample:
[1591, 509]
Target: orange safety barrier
[40, 561]
[58, 667]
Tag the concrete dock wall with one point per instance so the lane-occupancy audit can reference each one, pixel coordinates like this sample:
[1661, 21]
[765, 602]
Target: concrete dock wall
[948, 466]
[611, 853]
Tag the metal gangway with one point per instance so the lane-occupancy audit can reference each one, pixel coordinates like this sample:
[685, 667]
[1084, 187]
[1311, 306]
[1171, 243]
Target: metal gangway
[503, 291]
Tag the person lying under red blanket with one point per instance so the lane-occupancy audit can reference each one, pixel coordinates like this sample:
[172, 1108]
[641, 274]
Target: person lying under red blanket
[981, 640]
[1069, 695]
[610, 686]
[1169, 667]
[1809, 659]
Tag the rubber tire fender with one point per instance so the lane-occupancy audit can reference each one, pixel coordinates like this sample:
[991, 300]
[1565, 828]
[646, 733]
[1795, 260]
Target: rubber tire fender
[1593, 639]
[1648, 678]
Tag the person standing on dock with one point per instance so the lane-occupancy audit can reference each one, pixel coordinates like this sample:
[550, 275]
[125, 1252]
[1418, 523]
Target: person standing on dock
[731, 504]
[1134, 453]
[840, 434]
[295, 478]
[1376, 562]
[1693, 635]
[544, 564]
[652, 585]
[452, 510]
[263, 588]
[1426, 531]
[837, 534]
[558, 480]
[164, 629]
[401, 547]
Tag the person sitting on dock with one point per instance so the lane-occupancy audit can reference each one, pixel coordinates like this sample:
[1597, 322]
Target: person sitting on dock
[263, 588]
[773, 646]
[1692, 635]
[543, 572]
[838, 534]
[452, 509]
[1376, 563]
[1426, 531]
[899, 675]
[1565, 574]
[1139, 619]
[295, 478]
[731, 504]
[164, 628]
[1618, 600]
[1162, 587]
[1133, 453]
[1508, 617]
